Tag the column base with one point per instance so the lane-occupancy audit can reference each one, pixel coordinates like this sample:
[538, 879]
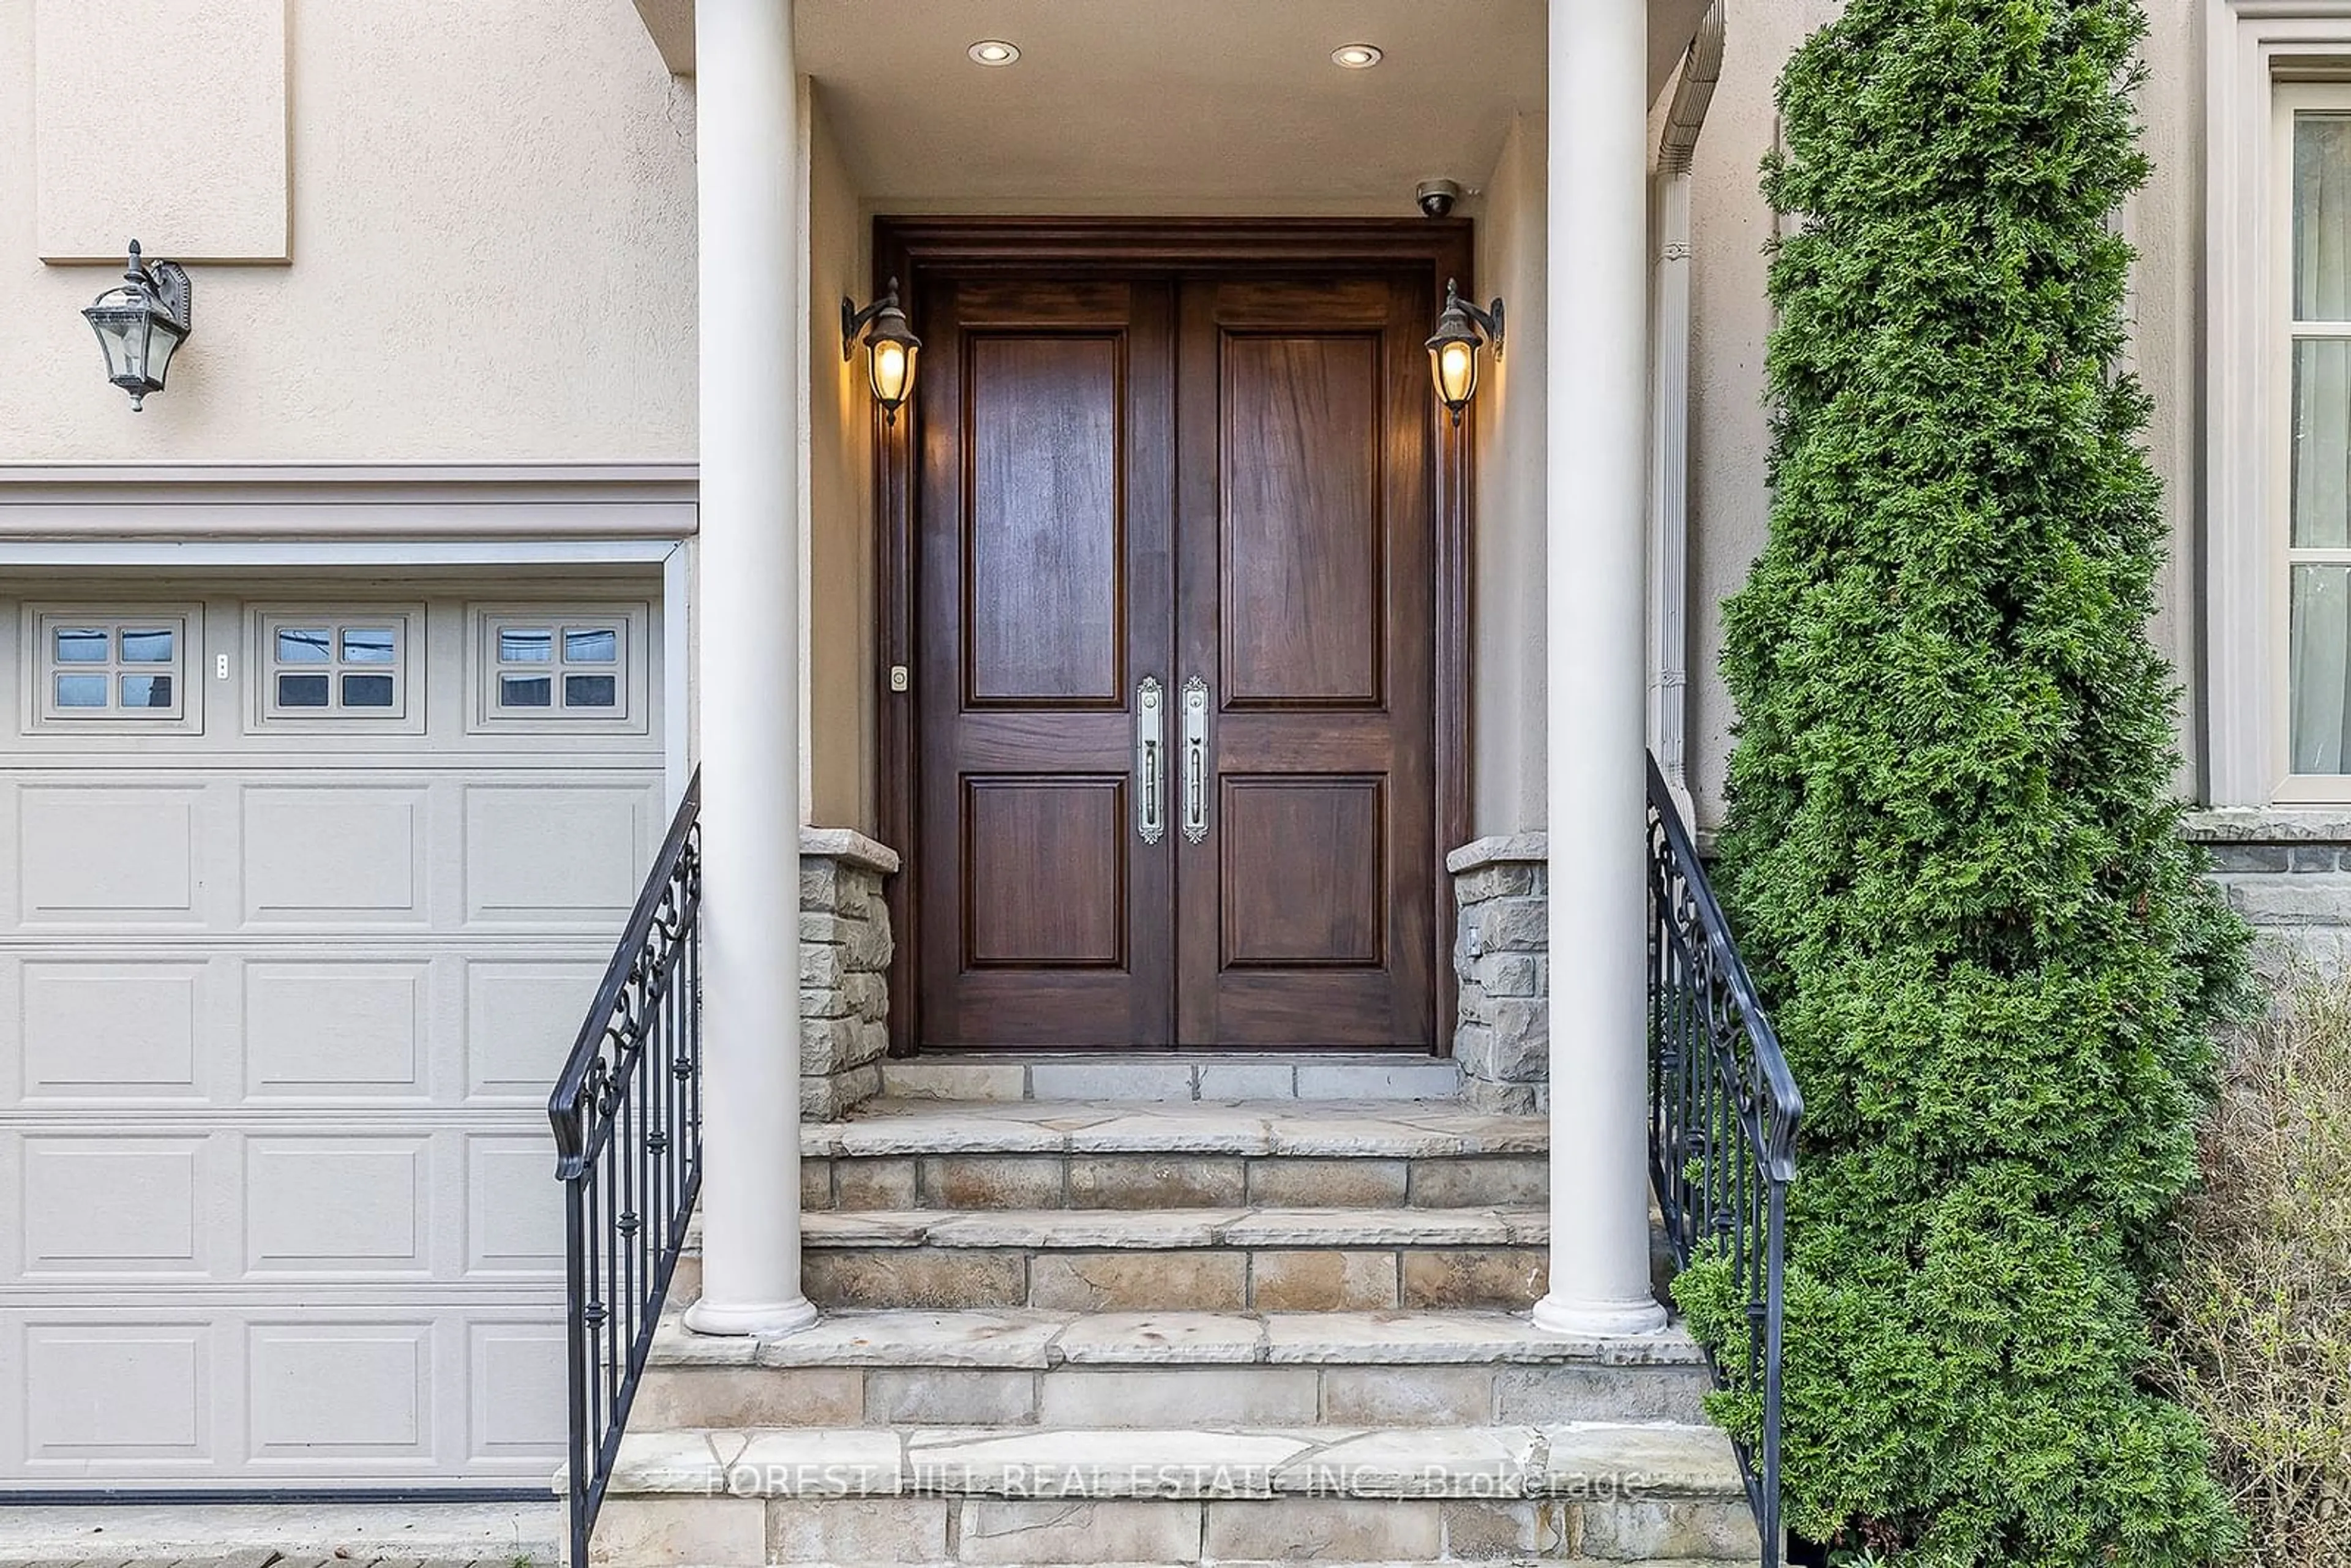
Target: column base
[1561, 1314]
[767, 1319]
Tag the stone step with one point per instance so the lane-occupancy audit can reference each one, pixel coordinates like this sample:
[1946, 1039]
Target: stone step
[1204, 1260]
[1251, 1494]
[1147, 1075]
[1025, 1367]
[1112, 1154]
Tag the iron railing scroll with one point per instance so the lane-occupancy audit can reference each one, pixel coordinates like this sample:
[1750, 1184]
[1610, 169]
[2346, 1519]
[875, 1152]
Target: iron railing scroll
[628, 1136]
[1723, 1113]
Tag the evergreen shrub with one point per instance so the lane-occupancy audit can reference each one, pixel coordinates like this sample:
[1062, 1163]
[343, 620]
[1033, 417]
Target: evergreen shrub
[1952, 853]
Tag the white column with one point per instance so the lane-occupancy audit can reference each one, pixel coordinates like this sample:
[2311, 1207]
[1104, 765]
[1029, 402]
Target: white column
[747, 136]
[1597, 395]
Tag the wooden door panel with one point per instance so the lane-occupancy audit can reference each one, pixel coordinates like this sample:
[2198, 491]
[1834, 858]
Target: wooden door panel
[1043, 609]
[1302, 871]
[1014, 827]
[1305, 596]
[1045, 422]
[1302, 536]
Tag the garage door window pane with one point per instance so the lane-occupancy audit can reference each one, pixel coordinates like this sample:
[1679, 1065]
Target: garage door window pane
[589, 691]
[302, 691]
[367, 691]
[81, 691]
[599, 646]
[368, 645]
[526, 691]
[525, 647]
[304, 645]
[81, 644]
[146, 645]
[147, 691]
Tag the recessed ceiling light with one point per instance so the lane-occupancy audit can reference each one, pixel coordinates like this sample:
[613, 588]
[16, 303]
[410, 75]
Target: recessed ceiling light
[994, 52]
[1356, 57]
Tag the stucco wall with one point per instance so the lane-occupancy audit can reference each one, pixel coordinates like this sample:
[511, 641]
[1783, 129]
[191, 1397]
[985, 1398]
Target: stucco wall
[492, 253]
[1507, 711]
[492, 259]
[1730, 226]
[838, 581]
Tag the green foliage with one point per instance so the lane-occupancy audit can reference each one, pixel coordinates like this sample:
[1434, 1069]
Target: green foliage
[1952, 851]
[2257, 1319]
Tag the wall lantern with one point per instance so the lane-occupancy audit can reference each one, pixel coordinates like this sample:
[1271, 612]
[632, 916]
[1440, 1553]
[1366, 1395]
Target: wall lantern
[1452, 352]
[140, 323]
[890, 348]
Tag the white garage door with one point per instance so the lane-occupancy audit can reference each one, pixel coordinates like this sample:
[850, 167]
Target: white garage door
[304, 887]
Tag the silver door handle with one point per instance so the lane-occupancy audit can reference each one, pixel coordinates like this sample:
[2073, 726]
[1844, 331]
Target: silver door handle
[1150, 788]
[1195, 759]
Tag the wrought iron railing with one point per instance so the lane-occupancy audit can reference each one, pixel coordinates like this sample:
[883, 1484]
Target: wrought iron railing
[1723, 1111]
[628, 1137]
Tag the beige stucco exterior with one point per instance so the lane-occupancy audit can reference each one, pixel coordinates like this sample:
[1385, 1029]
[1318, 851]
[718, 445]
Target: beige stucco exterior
[492, 260]
[492, 253]
[837, 582]
[1507, 717]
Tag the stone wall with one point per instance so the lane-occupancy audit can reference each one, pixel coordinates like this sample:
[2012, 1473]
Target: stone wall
[2289, 873]
[844, 969]
[1499, 937]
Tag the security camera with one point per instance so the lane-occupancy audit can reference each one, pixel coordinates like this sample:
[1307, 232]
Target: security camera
[1437, 198]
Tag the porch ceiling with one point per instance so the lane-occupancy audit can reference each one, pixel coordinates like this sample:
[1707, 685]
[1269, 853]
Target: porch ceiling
[1198, 104]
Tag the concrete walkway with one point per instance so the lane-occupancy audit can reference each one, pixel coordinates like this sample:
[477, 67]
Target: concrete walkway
[293, 1535]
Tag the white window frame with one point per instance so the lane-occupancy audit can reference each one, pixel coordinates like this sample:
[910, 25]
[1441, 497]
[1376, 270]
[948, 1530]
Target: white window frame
[2266, 59]
[2291, 99]
[485, 622]
[405, 716]
[41, 621]
[402, 620]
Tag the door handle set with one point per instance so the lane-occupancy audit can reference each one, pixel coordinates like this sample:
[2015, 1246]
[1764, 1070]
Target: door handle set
[1150, 785]
[1195, 760]
[1150, 766]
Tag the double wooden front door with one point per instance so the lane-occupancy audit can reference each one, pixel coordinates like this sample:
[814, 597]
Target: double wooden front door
[1174, 679]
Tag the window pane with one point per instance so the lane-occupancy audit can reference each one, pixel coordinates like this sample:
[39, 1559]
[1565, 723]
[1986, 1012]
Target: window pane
[589, 691]
[301, 690]
[2321, 217]
[367, 645]
[2322, 442]
[82, 645]
[147, 691]
[304, 645]
[525, 647]
[600, 646]
[2320, 676]
[526, 691]
[367, 691]
[81, 691]
[146, 645]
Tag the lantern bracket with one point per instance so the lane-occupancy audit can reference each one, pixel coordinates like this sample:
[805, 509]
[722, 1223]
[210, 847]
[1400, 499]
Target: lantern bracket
[1488, 321]
[853, 320]
[170, 282]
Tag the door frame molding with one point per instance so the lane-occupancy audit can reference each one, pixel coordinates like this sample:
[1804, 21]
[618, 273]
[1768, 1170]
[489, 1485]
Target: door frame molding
[917, 250]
